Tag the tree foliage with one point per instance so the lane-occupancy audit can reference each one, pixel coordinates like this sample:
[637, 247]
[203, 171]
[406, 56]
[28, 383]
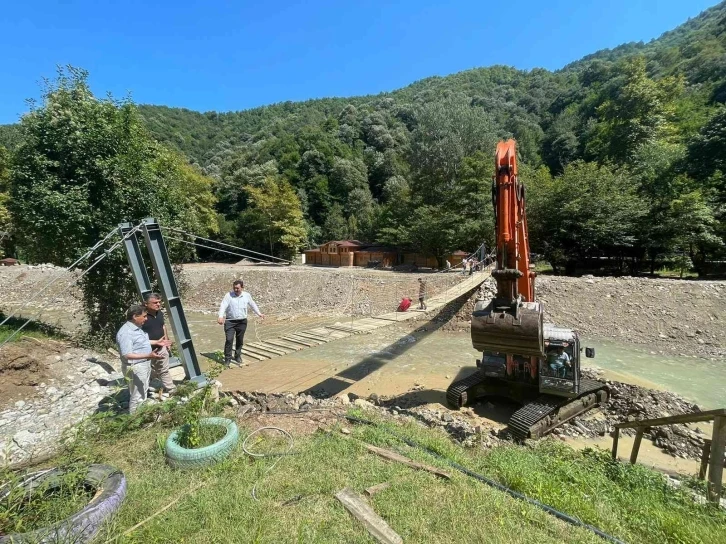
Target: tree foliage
[84, 166]
[275, 215]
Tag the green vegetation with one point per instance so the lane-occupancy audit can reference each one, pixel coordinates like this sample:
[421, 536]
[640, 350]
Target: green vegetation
[53, 500]
[296, 502]
[193, 434]
[84, 165]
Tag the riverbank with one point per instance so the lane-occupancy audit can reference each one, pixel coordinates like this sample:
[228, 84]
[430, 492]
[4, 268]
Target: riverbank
[295, 501]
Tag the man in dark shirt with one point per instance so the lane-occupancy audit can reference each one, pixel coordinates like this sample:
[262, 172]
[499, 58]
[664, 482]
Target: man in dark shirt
[156, 329]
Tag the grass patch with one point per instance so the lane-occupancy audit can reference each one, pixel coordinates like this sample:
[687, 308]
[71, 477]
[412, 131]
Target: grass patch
[23, 510]
[297, 504]
[34, 329]
[206, 436]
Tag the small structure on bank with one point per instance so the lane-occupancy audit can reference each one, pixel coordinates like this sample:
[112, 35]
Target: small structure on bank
[357, 253]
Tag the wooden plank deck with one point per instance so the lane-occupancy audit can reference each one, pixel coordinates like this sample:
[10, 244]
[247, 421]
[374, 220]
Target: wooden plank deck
[264, 350]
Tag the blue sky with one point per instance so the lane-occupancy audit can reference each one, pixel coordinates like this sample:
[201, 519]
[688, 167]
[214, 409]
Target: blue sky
[225, 55]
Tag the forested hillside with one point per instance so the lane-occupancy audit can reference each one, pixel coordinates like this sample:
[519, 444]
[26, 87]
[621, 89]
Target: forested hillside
[623, 155]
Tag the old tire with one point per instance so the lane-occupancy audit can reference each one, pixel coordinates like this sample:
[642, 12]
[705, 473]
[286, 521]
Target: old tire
[179, 457]
[83, 525]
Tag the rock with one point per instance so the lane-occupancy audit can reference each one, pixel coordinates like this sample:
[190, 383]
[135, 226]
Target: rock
[25, 439]
[345, 430]
[362, 403]
[344, 399]
[19, 404]
[446, 416]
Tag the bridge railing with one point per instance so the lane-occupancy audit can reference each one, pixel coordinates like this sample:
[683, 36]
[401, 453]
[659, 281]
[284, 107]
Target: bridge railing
[713, 450]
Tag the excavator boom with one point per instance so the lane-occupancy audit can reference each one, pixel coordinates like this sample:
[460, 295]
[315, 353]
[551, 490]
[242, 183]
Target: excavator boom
[512, 322]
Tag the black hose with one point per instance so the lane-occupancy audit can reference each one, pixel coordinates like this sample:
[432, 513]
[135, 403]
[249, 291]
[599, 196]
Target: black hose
[492, 483]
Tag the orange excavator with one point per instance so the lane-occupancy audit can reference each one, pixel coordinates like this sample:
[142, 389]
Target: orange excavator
[523, 358]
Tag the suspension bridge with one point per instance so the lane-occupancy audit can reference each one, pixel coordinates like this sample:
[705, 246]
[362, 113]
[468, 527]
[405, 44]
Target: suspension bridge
[274, 372]
[450, 285]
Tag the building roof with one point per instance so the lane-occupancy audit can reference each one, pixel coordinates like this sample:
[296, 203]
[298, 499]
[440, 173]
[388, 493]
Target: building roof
[349, 243]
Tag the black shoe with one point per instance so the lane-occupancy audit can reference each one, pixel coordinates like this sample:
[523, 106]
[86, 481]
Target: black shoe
[227, 362]
[238, 360]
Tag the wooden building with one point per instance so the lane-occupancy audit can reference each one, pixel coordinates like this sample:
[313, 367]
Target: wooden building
[357, 253]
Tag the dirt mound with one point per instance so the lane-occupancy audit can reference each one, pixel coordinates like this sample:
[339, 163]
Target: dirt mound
[672, 316]
[23, 366]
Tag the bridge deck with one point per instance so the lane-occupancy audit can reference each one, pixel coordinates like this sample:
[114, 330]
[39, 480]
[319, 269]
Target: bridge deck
[273, 376]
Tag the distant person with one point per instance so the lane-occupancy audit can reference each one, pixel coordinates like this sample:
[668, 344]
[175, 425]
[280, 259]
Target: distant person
[405, 305]
[421, 294]
[136, 355]
[233, 315]
[464, 264]
[155, 327]
[448, 264]
[558, 361]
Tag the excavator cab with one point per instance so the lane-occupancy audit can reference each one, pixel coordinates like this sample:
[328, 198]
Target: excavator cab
[559, 369]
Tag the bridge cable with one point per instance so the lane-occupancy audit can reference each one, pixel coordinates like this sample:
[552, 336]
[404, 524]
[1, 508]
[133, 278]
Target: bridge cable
[61, 275]
[227, 245]
[100, 258]
[221, 250]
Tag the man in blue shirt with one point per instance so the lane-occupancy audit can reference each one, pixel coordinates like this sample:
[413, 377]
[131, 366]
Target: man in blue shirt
[233, 315]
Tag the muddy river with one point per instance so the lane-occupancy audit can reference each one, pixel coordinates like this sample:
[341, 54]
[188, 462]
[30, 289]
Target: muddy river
[433, 358]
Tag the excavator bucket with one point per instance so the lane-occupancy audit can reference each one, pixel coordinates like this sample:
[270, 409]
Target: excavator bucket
[516, 331]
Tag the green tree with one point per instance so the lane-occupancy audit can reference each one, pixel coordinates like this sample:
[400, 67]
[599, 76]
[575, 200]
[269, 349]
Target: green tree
[84, 166]
[693, 224]
[447, 132]
[707, 151]
[587, 210]
[4, 198]
[275, 215]
[335, 226]
[640, 111]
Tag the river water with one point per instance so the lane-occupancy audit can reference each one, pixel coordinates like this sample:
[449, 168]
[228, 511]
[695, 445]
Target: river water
[434, 357]
[702, 381]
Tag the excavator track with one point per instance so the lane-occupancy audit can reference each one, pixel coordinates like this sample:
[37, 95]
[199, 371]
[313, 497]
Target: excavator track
[457, 393]
[546, 412]
[535, 418]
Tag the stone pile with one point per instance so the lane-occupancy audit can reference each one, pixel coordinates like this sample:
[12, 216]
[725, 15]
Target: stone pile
[630, 403]
[31, 429]
[455, 424]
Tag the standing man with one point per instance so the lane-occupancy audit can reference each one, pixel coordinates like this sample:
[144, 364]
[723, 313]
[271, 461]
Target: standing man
[421, 294]
[233, 315]
[155, 327]
[136, 355]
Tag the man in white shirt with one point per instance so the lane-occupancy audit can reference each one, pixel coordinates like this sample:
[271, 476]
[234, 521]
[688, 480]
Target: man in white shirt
[136, 354]
[233, 315]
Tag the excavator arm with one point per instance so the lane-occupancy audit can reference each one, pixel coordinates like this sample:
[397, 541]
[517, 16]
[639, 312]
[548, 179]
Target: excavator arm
[512, 322]
[513, 275]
